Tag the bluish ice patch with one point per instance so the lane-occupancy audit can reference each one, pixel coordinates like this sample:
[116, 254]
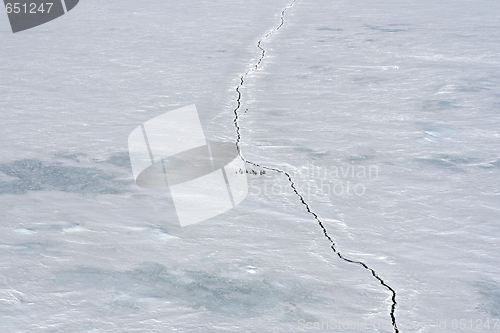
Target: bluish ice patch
[464, 36]
[317, 155]
[477, 85]
[303, 149]
[121, 160]
[24, 231]
[34, 175]
[68, 156]
[6, 178]
[439, 163]
[30, 248]
[360, 158]
[496, 106]
[392, 30]
[317, 67]
[438, 105]
[235, 297]
[302, 76]
[489, 302]
[435, 132]
[292, 313]
[387, 28]
[492, 165]
[368, 80]
[469, 86]
[458, 159]
[329, 29]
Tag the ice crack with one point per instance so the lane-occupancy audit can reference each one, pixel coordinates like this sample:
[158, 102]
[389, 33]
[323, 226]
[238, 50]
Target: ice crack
[290, 180]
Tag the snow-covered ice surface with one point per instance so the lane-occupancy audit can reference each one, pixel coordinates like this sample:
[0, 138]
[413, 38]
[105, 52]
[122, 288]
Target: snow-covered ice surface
[385, 113]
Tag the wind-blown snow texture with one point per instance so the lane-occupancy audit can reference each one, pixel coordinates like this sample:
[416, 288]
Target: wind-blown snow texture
[398, 100]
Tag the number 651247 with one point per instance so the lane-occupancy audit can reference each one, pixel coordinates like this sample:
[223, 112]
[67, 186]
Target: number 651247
[28, 8]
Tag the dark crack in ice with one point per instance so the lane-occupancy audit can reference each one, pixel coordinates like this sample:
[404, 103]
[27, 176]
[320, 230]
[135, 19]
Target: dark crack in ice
[290, 180]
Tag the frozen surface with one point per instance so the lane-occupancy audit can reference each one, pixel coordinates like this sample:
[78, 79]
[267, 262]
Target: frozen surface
[385, 113]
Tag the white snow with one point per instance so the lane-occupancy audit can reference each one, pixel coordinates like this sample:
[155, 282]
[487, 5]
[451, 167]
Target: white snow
[406, 89]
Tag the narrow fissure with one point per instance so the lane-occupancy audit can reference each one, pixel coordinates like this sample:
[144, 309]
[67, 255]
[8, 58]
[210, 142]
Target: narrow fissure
[292, 183]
